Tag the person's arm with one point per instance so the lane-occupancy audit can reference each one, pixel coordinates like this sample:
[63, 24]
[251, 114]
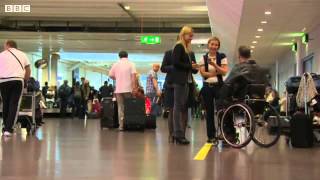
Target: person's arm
[203, 72]
[166, 65]
[26, 64]
[112, 73]
[134, 79]
[177, 56]
[223, 69]
[194, 61]
[27, 72]
[206, 74]
[134, 82]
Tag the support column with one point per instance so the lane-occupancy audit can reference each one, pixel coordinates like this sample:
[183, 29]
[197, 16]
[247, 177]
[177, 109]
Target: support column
[53, 68]
[277, 75]
[45, 72]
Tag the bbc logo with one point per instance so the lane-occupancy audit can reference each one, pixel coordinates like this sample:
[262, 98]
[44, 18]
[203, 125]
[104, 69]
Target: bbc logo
[17, 8]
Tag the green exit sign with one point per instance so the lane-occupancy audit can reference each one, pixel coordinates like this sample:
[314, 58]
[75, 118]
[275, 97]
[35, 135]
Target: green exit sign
[150, 40]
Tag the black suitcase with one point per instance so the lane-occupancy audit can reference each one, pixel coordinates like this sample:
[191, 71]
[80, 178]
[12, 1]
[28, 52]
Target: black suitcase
[292, 84]
[134, 114]
[109, 114]
[151, 122]
[301, 132]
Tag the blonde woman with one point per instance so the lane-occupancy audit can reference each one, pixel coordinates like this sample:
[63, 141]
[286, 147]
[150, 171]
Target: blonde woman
[184, 66]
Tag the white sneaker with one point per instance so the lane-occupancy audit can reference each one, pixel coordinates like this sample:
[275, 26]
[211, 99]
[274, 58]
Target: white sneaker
[7, 134]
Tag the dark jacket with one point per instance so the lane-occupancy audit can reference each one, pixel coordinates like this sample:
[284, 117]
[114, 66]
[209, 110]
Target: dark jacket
[250, 72]
[182, 65]
[243, 74]
[167, 66]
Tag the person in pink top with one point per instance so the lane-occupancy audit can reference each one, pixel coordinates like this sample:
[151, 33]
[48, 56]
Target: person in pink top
[14, 71]
[124, 73]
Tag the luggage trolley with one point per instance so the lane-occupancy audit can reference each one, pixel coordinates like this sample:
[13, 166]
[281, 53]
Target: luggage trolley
[27, 112]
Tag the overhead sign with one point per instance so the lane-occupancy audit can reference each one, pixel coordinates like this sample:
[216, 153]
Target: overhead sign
[150, 40]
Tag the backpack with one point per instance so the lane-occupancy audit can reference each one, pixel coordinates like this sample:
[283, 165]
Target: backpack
[33, 85]
[219, 58]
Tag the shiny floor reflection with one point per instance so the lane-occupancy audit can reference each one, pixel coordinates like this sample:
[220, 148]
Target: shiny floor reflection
[72, 149]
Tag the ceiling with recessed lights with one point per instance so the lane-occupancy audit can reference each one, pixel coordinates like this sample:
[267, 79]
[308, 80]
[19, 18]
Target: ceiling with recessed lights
[269, 27]
[106, 15]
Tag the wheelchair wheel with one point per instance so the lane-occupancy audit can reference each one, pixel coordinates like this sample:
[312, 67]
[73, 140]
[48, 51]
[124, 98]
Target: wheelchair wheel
[267, 126]
[237, 126]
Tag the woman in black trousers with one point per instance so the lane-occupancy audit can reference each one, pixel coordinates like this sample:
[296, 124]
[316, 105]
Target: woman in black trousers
[214, 66]
[183, 66]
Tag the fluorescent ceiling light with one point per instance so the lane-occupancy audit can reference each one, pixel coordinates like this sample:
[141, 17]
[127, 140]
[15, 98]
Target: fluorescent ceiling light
[196, 8]
[199, 41]
[264, 22]
[267, 12]
[251, 51]
[258, 37]
[282, 44]
[254, 42]
[252, 47]
[127, 7]
[260, 29]
[292, 35]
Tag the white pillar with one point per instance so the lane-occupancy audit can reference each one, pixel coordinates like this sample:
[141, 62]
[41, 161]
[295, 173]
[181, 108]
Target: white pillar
[277, 75]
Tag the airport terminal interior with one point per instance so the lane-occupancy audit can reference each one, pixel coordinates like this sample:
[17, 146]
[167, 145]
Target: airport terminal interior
[59, 137]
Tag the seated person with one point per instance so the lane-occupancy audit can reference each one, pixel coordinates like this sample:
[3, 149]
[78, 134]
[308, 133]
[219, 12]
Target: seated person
[245, 72]
[236, 85]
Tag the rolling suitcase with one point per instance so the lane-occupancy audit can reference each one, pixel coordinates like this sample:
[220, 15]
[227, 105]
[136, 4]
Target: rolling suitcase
[301, 130]
[109, 114]
[151, 122]
[134, 114]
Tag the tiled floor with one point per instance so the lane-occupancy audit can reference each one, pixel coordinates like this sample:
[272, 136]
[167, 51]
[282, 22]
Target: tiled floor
[73, 149]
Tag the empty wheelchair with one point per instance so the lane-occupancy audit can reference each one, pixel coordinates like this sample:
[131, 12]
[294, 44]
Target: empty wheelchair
[251, 118]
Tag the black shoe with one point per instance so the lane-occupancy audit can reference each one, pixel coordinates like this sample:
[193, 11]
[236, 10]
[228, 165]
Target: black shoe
[213, 141]
[182, 141]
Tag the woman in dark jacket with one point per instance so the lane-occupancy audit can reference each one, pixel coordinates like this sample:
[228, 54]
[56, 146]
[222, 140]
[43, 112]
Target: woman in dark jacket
[184, 66]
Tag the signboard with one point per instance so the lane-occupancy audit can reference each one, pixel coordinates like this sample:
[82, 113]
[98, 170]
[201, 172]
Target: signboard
[150, 40]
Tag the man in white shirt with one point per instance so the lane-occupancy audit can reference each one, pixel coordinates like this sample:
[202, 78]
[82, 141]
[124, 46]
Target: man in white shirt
[124, 72]
[14, 70]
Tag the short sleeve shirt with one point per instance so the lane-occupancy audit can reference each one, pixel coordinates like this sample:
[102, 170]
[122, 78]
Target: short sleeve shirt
[211, 68]
[123, 71]
[12, 68]
[150, 87]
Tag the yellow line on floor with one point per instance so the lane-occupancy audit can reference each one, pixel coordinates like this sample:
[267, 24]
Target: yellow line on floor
[202, 154]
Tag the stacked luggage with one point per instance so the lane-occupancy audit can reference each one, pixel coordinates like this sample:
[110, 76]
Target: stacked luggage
[135, 116]
[301, 128]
